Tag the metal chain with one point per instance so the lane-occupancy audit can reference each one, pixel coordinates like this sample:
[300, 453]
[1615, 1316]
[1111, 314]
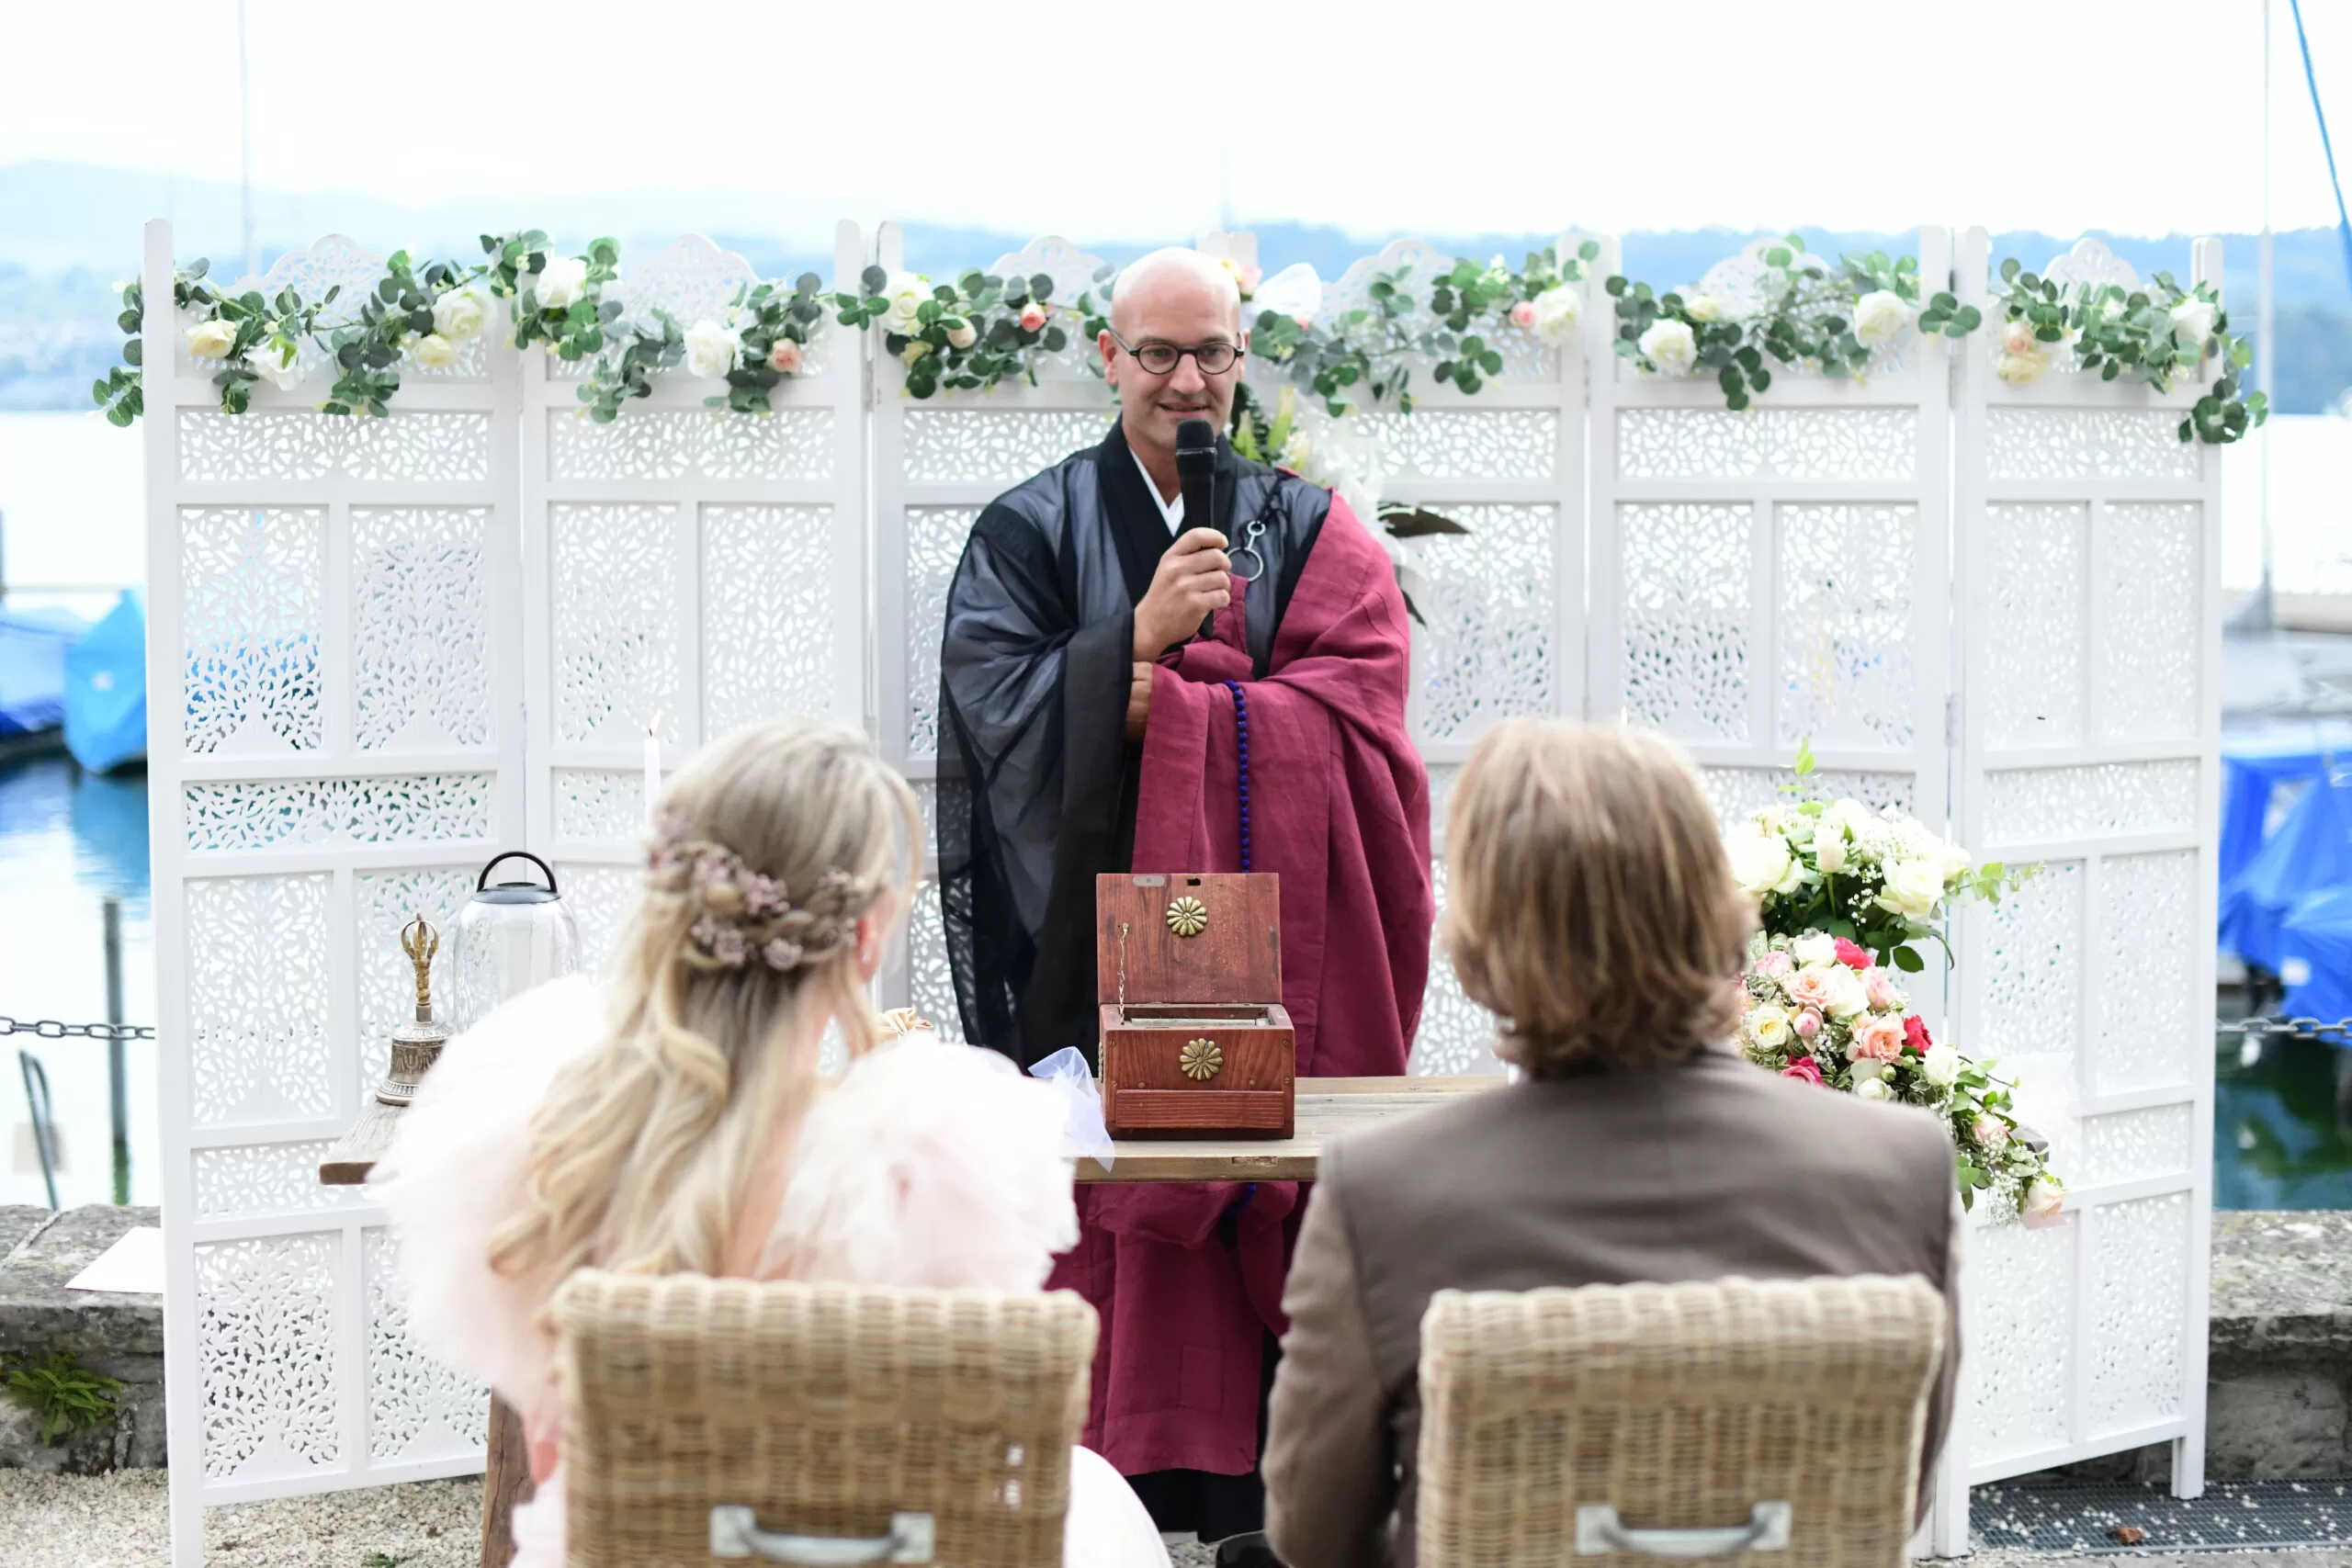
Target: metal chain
[2297, 1028]
[49, 1029]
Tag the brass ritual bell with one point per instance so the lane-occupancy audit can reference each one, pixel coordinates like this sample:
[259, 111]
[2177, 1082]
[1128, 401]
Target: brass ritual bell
[415, 1044]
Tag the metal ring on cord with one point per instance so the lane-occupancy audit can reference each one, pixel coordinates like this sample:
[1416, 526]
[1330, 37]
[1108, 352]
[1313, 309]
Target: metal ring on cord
[1250, 532]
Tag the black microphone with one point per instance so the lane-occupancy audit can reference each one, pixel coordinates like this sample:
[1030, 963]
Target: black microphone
[1196, 481]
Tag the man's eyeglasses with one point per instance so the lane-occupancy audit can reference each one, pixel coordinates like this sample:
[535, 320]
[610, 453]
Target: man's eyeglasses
[1160, 359]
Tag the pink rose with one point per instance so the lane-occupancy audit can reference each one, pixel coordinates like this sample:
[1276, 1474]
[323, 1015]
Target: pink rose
[1853, 957]
[1991, 1132]
[1812, 986]
[1524, 315]
[1808, 1024]
[1876, 1039]
[2017, 338]
[1251, 277]
[1032, 317]
[1805, 1068]
[786, 357]
[2045, 1204]
[1775, 964]
[1880, 989]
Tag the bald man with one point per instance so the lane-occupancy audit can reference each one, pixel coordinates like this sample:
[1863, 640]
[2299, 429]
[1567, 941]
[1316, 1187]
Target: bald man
[1089, 726]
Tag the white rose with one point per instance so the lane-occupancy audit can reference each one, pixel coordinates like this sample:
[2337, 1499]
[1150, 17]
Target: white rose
[1880, 317]
[1669, 346]
[1872, 1089]
[1867, 1071]
[1815, 947]
[906, 292]
[459, 314]
[1829, 845]
[2017, 338]
[1768, 1026]
[1761, 861]
[562, 282]
[210, 340]
[1941, 1066]
[1558, 311]
[2020, 369]
[1847, 997]
[2044, 1204]
[1912, 888]
[1703, 308]
[712, 350]
[434, 351]
[963, 335]
[916, 348]
[2192, 323]
[271, 363]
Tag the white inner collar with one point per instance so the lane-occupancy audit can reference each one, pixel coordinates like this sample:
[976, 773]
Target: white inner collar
[1170, 512]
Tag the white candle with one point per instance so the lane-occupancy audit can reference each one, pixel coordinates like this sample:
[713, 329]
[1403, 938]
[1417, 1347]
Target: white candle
[652, 764]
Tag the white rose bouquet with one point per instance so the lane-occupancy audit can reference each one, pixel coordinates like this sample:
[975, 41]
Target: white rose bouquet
[1815, 1008]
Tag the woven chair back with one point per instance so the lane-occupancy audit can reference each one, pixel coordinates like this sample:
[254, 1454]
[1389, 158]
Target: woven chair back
[826, 1409]
[1682, 1407]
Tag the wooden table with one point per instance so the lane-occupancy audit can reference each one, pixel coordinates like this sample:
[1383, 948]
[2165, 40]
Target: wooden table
[1327, 1108]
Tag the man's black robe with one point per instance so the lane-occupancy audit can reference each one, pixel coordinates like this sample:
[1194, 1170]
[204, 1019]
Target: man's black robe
[1037, 777]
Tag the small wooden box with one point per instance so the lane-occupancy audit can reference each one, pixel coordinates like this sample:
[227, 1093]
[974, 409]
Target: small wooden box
[1195, 1042]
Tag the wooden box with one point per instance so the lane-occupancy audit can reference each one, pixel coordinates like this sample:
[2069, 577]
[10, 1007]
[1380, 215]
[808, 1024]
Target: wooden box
[1195, 1042]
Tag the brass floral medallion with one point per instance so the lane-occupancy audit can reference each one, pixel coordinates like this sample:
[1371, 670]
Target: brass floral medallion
[1188, 917]
[1200, 1060]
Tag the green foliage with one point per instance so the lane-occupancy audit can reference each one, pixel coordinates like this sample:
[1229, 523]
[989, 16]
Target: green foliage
[2120, 332]
[970, 334]
[1807, 319]
[767, 315]
[66, 1396]
[1370, 351]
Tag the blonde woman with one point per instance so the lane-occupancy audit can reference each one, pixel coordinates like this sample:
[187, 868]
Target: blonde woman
[664, 1120]
[1592, 908]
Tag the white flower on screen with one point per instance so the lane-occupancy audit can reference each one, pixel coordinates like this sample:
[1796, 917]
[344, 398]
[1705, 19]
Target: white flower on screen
[2017, 338]
[1670, 346]
[712, 350]
[1556, 313]
[1829, 845]
[2192, 323]
[1941, 1066]
[1912, 888]
[963, 335]
[1880, 317]
[434, 351]
[1873, 1089]
[1703, 308]
[459, 314]
[1768, 1026]
[2045, 1204]
[2020, 369]
[1815, 947]
[276, 362]
[906, 292]
[1761, 863]
[210, 340]
[561, 283]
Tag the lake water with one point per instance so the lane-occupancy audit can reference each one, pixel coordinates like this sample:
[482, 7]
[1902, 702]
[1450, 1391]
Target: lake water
[70, 532]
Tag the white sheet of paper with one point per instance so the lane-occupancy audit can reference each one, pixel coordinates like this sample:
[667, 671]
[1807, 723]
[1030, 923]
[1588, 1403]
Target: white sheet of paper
[133, 1264]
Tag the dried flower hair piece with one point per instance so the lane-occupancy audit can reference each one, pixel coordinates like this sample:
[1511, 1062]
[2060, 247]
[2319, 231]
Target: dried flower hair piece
[745, 916]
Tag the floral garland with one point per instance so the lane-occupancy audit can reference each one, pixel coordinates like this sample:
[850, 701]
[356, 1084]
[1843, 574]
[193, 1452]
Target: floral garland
[968, 336]
[1376, 345]
[1835, 321]
[2162, 335]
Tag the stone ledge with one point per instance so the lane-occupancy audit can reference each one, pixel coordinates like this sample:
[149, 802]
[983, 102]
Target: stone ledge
[120, 1337]
[2282, 1284]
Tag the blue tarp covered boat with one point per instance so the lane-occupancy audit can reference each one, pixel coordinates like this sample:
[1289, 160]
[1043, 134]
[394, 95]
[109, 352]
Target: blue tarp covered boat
[32, 668]
[106, 688]
[2310, 854]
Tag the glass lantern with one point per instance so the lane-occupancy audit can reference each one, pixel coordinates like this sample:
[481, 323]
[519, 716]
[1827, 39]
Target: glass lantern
[512, 937]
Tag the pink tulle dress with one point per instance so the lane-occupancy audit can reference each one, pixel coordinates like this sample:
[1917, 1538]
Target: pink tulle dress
[929, 1164]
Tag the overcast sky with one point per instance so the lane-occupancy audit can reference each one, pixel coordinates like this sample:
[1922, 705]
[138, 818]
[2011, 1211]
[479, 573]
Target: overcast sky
[1116, 120]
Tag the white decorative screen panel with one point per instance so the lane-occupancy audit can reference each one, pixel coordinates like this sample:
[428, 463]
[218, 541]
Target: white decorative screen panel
[2087, 566]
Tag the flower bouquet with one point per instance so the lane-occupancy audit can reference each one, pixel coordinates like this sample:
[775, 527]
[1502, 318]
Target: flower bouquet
[1840, 888]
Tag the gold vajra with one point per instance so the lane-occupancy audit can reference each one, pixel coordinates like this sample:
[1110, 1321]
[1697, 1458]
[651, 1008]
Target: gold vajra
[1188, 917]
[1200, 1060]
[421, 941]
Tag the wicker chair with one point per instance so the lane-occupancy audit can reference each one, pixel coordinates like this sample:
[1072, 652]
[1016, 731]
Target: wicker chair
[928, 1425]
[1778, 1418]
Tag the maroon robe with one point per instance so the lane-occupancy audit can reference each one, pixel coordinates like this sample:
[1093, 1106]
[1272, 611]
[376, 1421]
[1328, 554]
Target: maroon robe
[1339, 809]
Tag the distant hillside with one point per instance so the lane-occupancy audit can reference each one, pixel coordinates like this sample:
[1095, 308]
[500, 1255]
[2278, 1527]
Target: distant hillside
[70, 229]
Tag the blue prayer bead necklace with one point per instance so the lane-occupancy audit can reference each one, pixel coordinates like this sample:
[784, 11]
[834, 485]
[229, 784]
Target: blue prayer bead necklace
[1241, 735]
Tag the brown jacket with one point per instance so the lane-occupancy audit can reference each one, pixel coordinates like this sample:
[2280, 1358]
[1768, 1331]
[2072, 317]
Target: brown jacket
[1709, 1168]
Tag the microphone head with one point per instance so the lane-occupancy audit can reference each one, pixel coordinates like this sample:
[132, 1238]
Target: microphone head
[1195, 442]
